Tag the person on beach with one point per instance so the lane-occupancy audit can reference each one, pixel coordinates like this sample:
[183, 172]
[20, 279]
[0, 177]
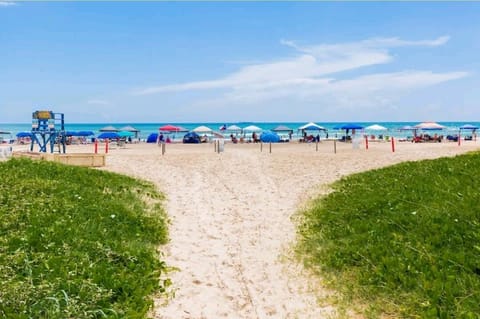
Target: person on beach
[160, 138]
[255, 137]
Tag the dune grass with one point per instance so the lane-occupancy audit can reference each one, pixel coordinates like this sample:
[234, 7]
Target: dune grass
[77, 242]
[403, 240]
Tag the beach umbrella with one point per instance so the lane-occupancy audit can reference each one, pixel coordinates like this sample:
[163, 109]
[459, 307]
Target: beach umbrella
[468, 127]
[202, 129]
[269, 137]
[282, 128]
[471, 127]
[169, 128]
[251, 128]
[429, 126]
[129, 128]
[234, 128]
[409, 128]
[109, 135]
[108, 129]
[376, 127]
[85, 133]
[312, 127]
[349, 126]
[24, 134]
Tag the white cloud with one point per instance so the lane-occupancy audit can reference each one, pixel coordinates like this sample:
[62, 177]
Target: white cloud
[313, 74]
[363, 87]
[267, 74]
[7, 3]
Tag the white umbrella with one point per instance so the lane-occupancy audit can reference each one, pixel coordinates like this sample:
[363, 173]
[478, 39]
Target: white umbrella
[234, 128]
[376, 127]
[252, 128]
[311, 126]
[108, 129]
[429, 126]
[202, 129]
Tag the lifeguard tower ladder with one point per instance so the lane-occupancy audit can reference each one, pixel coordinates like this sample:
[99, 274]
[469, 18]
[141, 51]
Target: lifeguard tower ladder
[48, 129]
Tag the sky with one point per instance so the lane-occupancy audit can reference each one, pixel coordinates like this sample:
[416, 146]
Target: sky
[157, 62]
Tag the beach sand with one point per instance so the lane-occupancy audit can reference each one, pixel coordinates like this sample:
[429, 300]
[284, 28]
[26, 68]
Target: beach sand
[232, 231]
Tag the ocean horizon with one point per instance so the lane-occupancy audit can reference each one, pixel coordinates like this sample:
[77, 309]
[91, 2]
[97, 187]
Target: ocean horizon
[148, 128]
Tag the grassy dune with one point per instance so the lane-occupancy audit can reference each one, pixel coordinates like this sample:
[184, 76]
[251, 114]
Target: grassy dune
[404, 240]
[77, 242]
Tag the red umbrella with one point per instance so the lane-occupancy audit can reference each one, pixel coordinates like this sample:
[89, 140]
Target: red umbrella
[169, 128]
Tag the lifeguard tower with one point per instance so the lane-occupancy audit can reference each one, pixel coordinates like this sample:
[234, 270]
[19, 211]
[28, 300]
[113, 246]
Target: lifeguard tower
[48, 129]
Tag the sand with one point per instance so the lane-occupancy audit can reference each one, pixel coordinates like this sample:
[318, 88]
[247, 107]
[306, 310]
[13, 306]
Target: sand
[231, 228]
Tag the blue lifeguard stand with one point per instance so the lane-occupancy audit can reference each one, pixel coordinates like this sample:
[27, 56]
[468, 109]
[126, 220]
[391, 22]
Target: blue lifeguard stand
[48, 129]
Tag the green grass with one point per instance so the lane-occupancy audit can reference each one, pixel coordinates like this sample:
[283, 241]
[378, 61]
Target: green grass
[403, 240]
[77, 242]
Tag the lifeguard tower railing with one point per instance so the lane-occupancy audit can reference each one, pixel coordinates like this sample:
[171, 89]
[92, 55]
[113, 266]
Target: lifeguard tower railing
[48, 129]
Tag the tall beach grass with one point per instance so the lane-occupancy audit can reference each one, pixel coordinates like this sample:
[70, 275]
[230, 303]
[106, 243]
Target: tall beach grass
[402, 240]
[77, 242]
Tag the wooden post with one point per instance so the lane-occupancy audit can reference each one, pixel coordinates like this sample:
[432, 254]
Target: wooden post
[261, 146]
[106, 146]
[218, 146]
[163, 148]
[270, 147]
[335, 146]
[316, 146]
[393, 145]
[215, 146]
[96, 146]
[459, 139]
[366, 142]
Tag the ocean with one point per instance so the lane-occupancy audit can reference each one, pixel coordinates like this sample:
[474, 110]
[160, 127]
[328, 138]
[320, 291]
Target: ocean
[452, 128]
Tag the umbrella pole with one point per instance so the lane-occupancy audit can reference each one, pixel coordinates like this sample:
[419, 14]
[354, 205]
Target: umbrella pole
[335, 146]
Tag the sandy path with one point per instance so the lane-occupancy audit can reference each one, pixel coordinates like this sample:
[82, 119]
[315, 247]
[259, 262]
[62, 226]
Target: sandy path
[231, 223]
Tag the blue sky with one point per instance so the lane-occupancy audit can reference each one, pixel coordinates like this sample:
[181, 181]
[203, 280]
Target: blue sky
[240, 61]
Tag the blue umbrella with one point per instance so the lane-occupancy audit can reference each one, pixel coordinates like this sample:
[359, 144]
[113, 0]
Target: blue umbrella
[110, 135]
[269, 137]
[24, 134]
[85, 133]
